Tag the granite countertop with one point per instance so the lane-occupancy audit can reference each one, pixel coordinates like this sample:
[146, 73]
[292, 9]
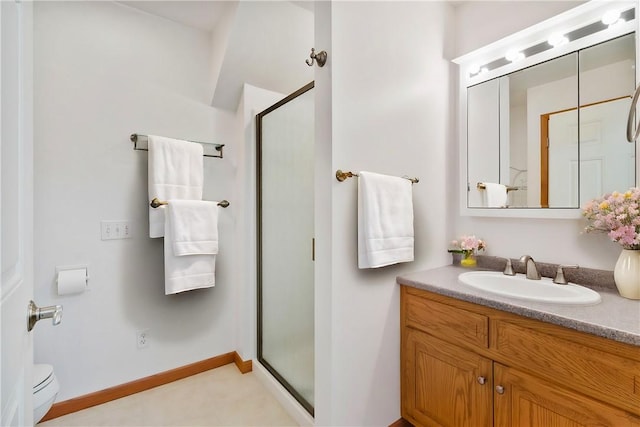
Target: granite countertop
[615, 317]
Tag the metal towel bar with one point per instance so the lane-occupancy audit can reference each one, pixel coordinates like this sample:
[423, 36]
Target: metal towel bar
[341, 176]
[141, 142]
[482, 186]
[156, 203]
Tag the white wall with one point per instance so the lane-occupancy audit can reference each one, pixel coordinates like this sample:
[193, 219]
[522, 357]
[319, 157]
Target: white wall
[220, 36]
[557, 241]
[323, 206]
[480, 23]
[390, 97]
[103, 71]
[253, 101]
[267, 45]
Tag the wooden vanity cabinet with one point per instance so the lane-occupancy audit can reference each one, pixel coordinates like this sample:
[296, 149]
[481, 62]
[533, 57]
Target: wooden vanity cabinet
[470, 365]
[444, 384]
[527, 401]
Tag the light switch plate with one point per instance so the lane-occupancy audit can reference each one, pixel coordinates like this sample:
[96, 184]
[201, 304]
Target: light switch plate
[111, 230]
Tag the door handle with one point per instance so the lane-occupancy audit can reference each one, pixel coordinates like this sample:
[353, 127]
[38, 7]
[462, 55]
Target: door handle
[36, 313]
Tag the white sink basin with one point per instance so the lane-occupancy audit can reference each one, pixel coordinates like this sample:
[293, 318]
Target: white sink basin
[518, 286]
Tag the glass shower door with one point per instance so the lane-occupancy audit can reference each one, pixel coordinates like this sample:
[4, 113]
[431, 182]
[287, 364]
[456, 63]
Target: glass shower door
[285, 170]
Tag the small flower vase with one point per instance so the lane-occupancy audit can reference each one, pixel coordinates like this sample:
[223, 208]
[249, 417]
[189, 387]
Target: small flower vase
[468, 260]
[627, 274]
[456, 257]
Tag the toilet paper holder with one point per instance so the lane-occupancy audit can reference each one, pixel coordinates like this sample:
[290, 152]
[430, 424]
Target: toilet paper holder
[72, 279]
[36, 313]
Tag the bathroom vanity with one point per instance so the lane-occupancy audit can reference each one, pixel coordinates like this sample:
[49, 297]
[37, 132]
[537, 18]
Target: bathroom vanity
[471, 359]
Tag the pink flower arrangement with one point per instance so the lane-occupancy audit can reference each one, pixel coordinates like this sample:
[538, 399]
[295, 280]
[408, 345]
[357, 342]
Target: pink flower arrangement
[617, 214]
[467, 245]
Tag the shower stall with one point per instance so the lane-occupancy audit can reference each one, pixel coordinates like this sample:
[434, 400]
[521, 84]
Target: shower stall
[285, 225]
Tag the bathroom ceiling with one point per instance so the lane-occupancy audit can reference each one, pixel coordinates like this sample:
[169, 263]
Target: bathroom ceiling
[203, 15]
[265, 45]
[260, 43]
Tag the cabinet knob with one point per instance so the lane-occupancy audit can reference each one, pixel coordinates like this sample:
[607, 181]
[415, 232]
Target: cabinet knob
[499, 389]
[482, 380]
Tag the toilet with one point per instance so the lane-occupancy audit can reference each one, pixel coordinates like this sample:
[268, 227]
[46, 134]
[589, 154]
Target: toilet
[45, 390]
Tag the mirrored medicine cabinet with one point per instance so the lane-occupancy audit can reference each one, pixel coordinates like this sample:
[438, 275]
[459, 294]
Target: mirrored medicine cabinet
[550, 125]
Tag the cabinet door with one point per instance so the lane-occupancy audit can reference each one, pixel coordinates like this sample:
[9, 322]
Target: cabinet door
[444, 385]
[525, 401]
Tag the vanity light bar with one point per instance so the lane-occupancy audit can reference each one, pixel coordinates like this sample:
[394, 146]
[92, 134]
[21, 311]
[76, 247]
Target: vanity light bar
[576, 34]
[611, 17]
[514, 55]
[557, 39]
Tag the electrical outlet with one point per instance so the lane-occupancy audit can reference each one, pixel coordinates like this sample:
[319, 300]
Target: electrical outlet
[142, 339]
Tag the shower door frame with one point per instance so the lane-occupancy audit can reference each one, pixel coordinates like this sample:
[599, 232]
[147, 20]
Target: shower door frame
[299, 398]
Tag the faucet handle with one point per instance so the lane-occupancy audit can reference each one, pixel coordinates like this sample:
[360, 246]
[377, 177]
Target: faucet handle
[508, 270]
[560, 279]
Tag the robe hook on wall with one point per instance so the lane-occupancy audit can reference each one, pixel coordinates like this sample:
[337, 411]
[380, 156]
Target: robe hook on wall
[320, 58]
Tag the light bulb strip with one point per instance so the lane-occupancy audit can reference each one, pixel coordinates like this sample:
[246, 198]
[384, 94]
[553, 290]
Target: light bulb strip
[576, 34]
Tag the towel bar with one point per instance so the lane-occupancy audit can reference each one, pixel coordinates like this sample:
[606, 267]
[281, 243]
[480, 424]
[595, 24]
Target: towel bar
[481, 186]
[341, 176]
[141, 142]
[156, 203]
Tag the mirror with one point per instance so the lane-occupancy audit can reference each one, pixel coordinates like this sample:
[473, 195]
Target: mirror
[543, 115]
[554, 133]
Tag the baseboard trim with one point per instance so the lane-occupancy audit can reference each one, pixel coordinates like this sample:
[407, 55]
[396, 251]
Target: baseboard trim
[103, 396]
[243, 366]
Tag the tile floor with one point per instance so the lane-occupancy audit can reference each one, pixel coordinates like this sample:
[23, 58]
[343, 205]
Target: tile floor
[219, 397]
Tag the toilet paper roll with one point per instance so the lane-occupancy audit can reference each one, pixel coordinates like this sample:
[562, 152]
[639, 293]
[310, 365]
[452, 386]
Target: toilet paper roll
[72, 281]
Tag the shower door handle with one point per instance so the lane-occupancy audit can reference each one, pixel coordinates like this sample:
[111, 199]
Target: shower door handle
[313, 249]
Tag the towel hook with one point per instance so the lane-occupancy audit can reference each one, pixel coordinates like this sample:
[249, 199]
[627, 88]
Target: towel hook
[320, 57]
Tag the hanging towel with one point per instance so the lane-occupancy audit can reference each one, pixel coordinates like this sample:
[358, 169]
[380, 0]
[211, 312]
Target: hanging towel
[175, 172]
[185, 272]
[385, 220]
[195, 227]
[496, 195]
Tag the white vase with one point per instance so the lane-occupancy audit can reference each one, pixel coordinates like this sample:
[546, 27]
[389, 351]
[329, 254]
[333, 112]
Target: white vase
[627, 274]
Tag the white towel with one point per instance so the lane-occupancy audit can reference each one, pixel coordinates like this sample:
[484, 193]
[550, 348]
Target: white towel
[195, 227]
[185, 273]
[496, 195]
[175, 172]
[385, 220]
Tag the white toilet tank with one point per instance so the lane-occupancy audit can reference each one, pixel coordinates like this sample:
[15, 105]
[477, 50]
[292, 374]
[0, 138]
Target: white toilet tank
[45, 390]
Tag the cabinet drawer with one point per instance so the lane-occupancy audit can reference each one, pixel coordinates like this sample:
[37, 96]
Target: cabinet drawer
[593, 372]
[447, 322]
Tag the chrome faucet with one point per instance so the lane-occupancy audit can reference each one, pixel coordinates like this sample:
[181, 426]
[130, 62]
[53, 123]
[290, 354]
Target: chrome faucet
[560, 279]
[530, 266]
[508, 269]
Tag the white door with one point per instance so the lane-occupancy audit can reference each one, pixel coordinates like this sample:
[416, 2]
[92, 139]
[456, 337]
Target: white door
[16, 207]
[563, 160]
[606, 159]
